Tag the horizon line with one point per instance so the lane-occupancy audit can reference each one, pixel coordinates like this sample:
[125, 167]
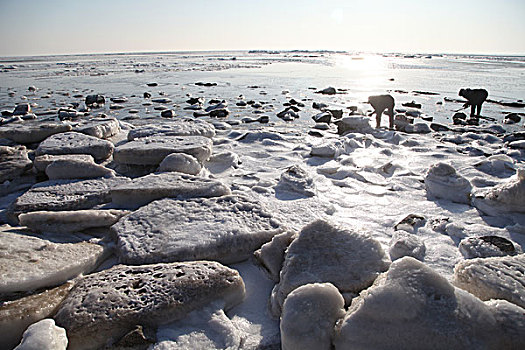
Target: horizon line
[267, 50]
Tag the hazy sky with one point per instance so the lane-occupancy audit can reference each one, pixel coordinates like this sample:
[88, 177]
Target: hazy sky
[30, 27]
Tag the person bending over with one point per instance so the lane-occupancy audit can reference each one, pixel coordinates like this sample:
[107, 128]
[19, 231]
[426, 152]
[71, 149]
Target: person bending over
[381, 103]
[475, 98]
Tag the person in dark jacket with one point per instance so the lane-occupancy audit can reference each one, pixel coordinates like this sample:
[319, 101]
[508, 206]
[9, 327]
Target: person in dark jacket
[380, 103]
[475, 98]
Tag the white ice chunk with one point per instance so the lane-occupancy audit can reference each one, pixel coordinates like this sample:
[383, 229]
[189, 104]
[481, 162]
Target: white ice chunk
[182, 163]
[75, 143]
[44, 335]
[406, 244]
[309, 316]
[442, 181]
[503, 198]
[76, 169]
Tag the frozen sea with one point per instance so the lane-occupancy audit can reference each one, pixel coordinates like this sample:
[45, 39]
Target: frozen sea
[366, 180]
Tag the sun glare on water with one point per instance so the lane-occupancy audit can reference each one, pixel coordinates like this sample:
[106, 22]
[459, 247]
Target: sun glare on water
[367, 72]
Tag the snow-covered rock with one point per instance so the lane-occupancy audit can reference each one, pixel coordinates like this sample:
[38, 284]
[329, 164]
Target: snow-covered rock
[41, 162]
[353, 124]
[56, 195]
[44, 335]
[142, 190]
[413, 307]
[487, 246]
[33, 132]
[101, 128]
[309, 316]
[442, 181]
[226, 229]
[28, 262]
[493, 278]
[76, 169]
[296, 179]
[106, 305]
[17, 315]
[180, 127]
[13, 162]
[322, 252]
[406, 244]
[411, 223]
[497, 165]
[271, 254]
[182, 163]
[75, 143]
[70, 221]
[152, 150]
[504, 198]
[326, 150]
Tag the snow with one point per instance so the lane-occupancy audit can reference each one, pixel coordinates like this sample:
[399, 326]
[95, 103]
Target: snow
[44, 335]
[309, 316]
[226, 229]
[28, 262]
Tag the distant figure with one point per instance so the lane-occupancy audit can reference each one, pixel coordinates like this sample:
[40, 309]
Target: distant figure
[381, 103]
[475, 98]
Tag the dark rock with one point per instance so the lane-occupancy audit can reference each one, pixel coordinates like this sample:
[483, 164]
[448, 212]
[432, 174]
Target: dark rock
[325, 117]
[195, 100]
[459, 118]
[152, 84]
[205, 84]
[219, 113]
[29, 116]
[67, 114]
[410, 223]
[512, 118]
[198, 114]
[95, 99]
[168, 113]
[220, 105]
[163, 100]
[288, 114]
[439, 127]
[424, 92]
[327, 91]
[241, 104]
[147, 95]
[121, 99]
[336, 113]
[412, 104]
[22, 109]
[263, 119]
[6, 113]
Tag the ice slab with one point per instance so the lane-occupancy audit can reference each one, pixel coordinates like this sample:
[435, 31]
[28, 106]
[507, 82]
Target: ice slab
[227, 229]
[182, 127]
[142, 190]
[29, 262]
[44, 335]
[13, 162]
[33, 132]
[101, 128]
[152, 150]
[75, 143]
[106, 305]
[76, 169]
[323, 252]
[493, 278]
[182, 163]
[16, 316]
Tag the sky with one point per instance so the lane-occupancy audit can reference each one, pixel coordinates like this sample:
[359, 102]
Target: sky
[38, 27]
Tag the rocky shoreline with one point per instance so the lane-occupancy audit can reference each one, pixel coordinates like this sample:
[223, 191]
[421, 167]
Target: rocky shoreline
[134, 233]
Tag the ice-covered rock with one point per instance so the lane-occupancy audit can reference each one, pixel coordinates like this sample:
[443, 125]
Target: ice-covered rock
[227, 229]
[442, 181]
[220, 162]
[56, 195]
[411, 223]
[70, 221]
[41, 162]
[207, 328]
[504, 198]
[497, 165]
[309, 316]
[322, 252]
[487, 246]
[74, 168]
[296, 179]
[271, 254]
[44, 335]
[180, 127]
[327, 150]
[493, 278]
[418, 128]
[17, 315]
[13, 162]
[75, 143]
[353, 124]
[413, 307]
[152, 150]
[101, 128]
[182, 163]
[28, 262]
[406, 244]
[106, 305]
[32, 132]
[142, 190]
